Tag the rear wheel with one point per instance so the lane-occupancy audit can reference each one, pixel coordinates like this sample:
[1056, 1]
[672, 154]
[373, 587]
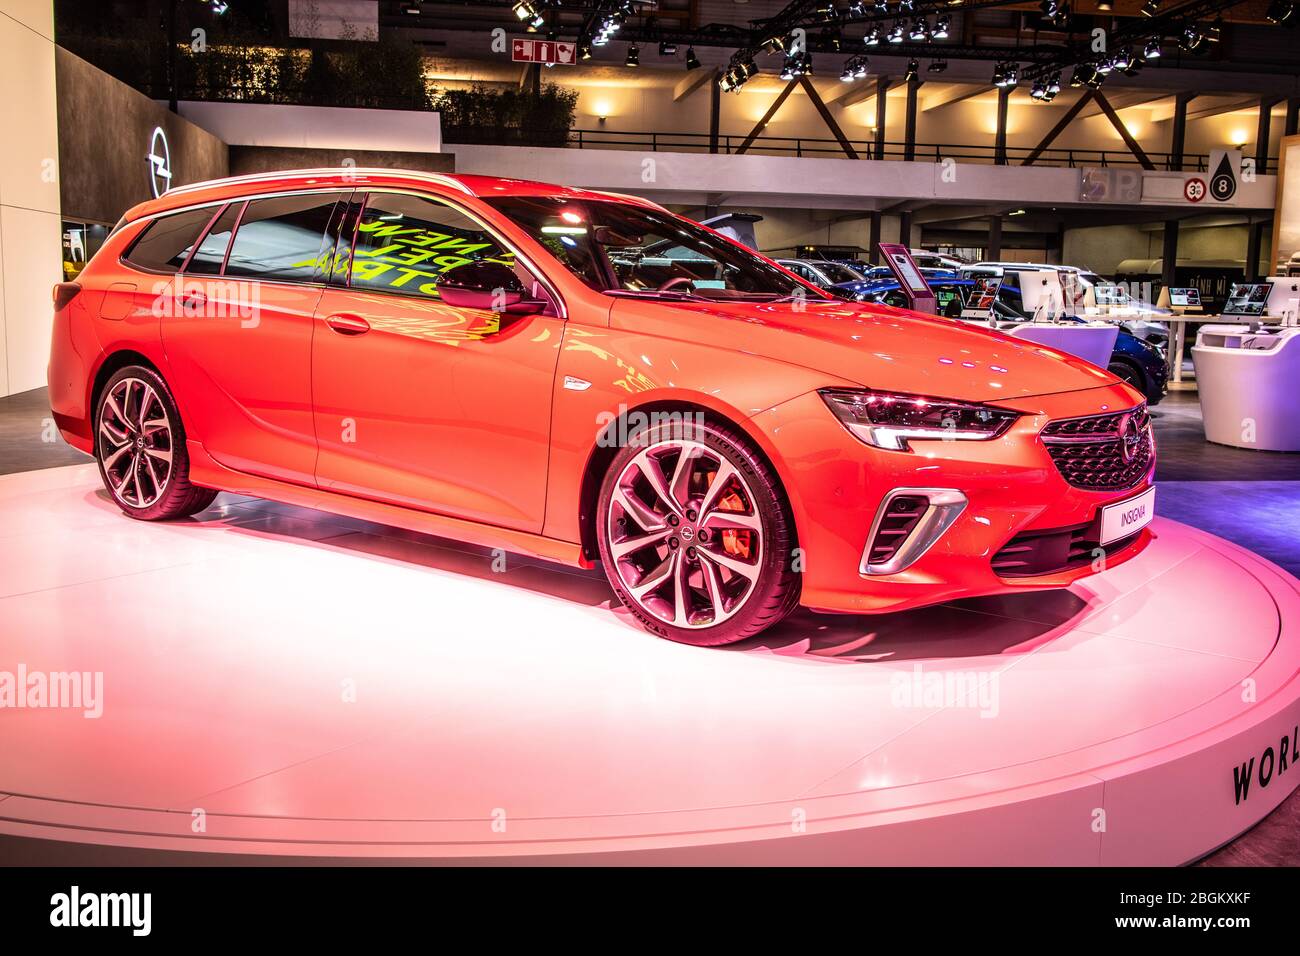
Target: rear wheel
[1129, 373]
[695, 536]
[140, 447]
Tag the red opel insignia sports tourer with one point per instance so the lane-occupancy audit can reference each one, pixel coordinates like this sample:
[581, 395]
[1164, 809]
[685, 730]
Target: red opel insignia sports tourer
[583, 376]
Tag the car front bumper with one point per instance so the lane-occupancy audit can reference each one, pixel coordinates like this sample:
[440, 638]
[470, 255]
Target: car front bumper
[837, 484]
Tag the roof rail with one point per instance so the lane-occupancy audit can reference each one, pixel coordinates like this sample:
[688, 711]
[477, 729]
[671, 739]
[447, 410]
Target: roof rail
[323, 171]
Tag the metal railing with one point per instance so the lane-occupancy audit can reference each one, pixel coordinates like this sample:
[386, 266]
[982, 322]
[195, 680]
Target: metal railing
[866, 149]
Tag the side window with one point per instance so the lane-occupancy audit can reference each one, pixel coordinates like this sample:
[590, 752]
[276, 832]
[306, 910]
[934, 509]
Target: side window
[407, 244]
[165, 242]
[211, 253]
[283, 237]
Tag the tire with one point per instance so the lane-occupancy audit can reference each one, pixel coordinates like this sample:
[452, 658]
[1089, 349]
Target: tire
[140, 448]
[729, 575]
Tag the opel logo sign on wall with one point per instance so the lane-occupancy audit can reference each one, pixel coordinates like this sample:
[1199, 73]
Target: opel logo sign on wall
[160, 163]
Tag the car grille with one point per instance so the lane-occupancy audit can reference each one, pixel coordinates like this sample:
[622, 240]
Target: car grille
[1102, 452]
[1058, 549]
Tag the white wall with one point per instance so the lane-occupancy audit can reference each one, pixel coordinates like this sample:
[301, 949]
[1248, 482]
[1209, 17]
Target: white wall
[30, 225]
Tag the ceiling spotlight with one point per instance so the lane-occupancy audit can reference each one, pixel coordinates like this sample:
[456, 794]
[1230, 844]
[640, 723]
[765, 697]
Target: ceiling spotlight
[873, 37]
[1049, 8]
[1082, 73]
[524, 10]
[937, 66]
[941, 27]
[1054, 84]
[1006, 74]
[1123, 60]
[1150, 8]
[855, 68]
[1215, 31]
[1280, 11]
[1105, 6]
[920, 29]
[774, 44]
[584, 50]
[1190, 39]
[1152, 50]
[826, 10]
[912, 69]
[858, 8]
[906, 4]
[692, 61]
[667, 48]
[1039, 92]
[896, 33]
[633, 56]
[882, 6]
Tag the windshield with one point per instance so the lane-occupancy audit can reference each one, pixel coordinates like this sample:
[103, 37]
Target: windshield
[838, 273]
[623, 248]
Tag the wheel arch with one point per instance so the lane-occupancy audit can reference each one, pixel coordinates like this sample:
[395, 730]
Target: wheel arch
[606, 447]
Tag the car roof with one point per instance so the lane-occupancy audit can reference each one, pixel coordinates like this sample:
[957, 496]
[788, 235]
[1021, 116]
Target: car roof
[482, 187]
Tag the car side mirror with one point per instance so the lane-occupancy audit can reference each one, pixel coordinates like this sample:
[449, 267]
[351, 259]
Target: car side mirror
[487, 285]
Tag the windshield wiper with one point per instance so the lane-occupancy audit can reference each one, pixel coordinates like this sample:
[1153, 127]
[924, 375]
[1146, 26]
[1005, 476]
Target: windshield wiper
[658, 294]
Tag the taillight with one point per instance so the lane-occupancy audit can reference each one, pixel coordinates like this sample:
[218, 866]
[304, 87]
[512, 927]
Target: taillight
[65, 292]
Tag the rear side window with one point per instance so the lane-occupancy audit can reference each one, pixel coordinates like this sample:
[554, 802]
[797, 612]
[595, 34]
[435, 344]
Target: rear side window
[167, 241]
[284, 237]
[211, 253]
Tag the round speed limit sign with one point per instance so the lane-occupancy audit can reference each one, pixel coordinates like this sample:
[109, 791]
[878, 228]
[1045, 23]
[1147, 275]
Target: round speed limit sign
[1194, 189]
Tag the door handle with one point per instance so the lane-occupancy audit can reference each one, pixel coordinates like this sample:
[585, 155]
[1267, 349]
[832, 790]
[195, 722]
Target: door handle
[193, 299]
[344, 323]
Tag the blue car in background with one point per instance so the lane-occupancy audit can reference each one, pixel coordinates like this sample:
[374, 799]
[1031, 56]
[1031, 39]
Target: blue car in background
[1137, 362]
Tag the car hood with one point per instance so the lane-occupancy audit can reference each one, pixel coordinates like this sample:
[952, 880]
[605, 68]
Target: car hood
[872, 345]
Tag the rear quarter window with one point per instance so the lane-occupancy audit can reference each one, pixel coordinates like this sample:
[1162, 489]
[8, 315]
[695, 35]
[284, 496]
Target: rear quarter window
[165, 243]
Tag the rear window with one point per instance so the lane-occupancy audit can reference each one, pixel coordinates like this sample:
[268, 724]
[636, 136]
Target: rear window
[283, 237]
[166, 242]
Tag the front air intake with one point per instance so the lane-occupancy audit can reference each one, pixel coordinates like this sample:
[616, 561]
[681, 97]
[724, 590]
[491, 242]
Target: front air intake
[908, 522]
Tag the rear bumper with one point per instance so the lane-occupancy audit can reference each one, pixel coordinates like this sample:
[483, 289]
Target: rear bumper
[1011, 486]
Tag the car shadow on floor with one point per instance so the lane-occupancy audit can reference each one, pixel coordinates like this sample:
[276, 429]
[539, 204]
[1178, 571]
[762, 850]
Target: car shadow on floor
[976, 627]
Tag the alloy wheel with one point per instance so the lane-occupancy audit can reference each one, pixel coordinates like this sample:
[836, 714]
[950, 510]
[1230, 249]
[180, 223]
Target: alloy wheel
[684, 533]
[136, 443]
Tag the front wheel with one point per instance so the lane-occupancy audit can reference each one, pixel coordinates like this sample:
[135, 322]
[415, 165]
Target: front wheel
[140, 447]
[695, 536]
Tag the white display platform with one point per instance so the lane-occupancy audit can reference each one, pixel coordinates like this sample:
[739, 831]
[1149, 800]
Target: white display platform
[279, 681]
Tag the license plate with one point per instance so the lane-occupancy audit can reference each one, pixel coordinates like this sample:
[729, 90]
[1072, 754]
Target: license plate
[1126, 517]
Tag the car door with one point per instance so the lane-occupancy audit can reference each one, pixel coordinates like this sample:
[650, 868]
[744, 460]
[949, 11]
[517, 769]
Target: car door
[239, 336]
[420, 403]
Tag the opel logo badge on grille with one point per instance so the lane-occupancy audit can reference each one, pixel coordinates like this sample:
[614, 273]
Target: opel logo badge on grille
[1130, 437]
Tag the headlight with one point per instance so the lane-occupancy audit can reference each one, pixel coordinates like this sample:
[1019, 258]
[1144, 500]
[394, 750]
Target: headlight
[890, 420]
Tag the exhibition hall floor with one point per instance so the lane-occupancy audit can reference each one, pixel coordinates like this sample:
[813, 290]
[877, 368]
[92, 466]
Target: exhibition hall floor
[322, 687]
[283, 682]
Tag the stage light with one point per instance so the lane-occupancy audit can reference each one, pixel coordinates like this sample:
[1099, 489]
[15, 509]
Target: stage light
[896, 33]
[858, 8]
[1039, 92]
[667, 48]
[1152, 50]
[1123, 59]
[937, 66]
[827, 11]
[1280, 11]
[913, 68]
[941, 27]
[692, 61]
[873, 37]
[1190, 39]
[855, 68]
[1150, 8]
[1105, 66]
[1054, 84]
[1105, 6]
[524, 10]
[1215, 32]
[584, 50]
[1049, 8]
[920, 29]
[1006, 74]
[220, 6]
[775, 44]
[633, 56]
